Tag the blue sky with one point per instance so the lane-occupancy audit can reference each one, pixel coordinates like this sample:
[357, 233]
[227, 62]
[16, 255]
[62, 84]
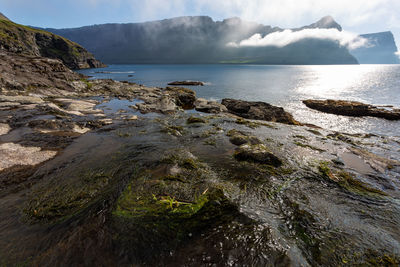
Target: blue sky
[358, 16]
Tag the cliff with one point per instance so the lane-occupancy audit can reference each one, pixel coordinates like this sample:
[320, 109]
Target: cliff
[21, 39]
[201, 40]
[381, 50]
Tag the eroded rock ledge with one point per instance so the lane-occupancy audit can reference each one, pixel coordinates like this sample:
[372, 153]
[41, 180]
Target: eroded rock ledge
[258, 111]
[353, 108]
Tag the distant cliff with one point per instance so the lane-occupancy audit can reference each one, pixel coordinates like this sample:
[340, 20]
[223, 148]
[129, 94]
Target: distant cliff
[381, 50]
[25, 40]
[202, 40]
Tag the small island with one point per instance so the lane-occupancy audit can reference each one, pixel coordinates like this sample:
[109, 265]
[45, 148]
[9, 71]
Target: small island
[187, 83]
[353, 108]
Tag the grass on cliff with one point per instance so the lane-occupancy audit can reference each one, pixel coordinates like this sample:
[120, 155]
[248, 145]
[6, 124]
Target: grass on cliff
[17, 34]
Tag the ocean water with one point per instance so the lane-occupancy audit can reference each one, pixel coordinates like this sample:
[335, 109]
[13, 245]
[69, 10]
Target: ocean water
[283, 86]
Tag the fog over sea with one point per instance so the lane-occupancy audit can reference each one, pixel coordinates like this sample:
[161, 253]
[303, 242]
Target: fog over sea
[283, 86]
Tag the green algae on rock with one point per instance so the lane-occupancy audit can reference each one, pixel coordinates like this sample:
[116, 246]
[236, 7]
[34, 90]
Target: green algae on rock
[193, 119]
[157, 213]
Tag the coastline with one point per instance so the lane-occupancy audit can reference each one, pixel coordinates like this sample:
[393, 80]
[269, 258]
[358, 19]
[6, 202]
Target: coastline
[174, 187]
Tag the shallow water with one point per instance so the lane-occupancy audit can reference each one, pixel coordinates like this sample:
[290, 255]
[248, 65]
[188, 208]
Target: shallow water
[285, 86]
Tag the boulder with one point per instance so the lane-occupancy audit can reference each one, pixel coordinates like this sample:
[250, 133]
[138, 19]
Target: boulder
[258, 154]
[163, 104]
[239, 138]
[204, 105]
[353, 108]
[258, 111]
[184, 97]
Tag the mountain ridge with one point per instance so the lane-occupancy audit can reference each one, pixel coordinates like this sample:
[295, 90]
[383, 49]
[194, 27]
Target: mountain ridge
[198, 39]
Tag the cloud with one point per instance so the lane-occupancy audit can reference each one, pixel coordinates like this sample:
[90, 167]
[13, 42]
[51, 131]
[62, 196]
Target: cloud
[290, 13]
[397, 54]
[287, 37]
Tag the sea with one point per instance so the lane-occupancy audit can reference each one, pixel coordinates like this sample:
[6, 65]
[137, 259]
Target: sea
[284, 86]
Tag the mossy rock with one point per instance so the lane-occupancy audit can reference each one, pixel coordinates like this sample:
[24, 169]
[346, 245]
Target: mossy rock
[238, 138]
[193, 119]
[174, 130]
[258, 154]
[348, 181]
[56, 201]
[150, 224]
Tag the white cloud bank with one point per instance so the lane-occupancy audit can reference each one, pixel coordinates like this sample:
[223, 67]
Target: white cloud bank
[283, 38]
[397, 54]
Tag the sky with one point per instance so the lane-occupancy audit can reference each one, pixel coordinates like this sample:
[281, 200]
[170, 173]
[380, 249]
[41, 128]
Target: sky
[356, 16]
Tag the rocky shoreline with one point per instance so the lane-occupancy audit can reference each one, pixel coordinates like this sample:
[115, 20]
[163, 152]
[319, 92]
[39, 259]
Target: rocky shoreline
[100, 172]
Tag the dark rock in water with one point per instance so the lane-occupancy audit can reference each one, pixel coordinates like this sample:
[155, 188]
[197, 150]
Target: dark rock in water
[258, 111]
[26, 40]
[193, 83]
[352, 108]
[184, 97]
[257, 153]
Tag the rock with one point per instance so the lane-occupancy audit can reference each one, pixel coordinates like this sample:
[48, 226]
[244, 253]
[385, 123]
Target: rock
[192, 83]
[258, 111]
[4, 128]
[258, 154]
[8, 105]
[204, 105]
[15, 154]
[378, 163]
[193, 119]
[21, 99]
[164, 104]
[239, 138]
[184, 97]
[352, 108]
[131, 118]
[57, 125]
[23, 73]
[105, 121]
[78, 106]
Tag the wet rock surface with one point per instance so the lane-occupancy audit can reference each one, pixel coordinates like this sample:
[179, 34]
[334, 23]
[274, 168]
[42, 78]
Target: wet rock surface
[353, 108]
[145, 196]
[258, 111]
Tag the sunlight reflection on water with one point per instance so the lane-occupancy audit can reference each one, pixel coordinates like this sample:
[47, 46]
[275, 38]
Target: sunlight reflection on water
[285, 86]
